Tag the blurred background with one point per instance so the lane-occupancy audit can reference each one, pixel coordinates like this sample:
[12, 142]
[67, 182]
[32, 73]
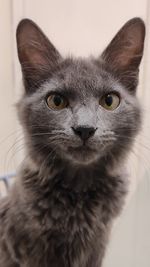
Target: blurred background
[81, 28]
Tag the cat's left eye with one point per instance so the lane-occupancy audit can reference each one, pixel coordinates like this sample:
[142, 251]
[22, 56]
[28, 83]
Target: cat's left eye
[110, 101]
[56, 102]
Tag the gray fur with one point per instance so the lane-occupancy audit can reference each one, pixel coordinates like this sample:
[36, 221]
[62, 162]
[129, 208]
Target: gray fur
[60, 211]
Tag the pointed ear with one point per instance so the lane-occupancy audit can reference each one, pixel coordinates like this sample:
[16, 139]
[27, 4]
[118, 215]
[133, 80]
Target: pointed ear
[123, 55]
[38, 57]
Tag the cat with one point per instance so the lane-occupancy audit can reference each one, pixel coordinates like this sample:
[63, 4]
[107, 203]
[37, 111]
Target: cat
[80, 117]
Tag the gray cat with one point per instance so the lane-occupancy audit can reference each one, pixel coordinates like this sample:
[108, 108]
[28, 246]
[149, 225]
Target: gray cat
[80, 118]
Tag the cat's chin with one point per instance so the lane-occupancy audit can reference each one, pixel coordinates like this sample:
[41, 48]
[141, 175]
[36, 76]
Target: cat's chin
[81, 155]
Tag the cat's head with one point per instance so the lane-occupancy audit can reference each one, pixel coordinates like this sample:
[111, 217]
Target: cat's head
[80, 110]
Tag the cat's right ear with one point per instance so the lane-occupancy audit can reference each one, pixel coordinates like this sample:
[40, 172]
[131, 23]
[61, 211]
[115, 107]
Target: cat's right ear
[38, 57]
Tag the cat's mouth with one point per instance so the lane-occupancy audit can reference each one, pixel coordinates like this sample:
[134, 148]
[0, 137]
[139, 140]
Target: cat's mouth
[82, 153]
[81, 148]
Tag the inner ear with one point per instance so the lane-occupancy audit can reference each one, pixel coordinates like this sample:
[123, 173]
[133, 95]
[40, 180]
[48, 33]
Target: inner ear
[126, 49]
[36, 53]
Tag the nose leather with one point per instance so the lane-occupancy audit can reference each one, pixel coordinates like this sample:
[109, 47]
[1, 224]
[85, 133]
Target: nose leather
[84, 132]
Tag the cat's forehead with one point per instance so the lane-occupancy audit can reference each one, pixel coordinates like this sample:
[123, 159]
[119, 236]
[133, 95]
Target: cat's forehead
[82, 70]
[82, 76]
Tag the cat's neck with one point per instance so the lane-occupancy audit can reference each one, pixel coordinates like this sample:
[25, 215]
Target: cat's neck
[92, 190]
[72, 178]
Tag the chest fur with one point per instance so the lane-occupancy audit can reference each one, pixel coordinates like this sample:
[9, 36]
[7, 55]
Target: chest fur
[64, 227]
[71, 228]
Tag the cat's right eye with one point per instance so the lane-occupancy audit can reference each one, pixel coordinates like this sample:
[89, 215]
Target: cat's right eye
[56, 102]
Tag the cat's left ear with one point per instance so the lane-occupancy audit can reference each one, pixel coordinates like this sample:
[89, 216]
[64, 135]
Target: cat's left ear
[37, 55]
[124, 53]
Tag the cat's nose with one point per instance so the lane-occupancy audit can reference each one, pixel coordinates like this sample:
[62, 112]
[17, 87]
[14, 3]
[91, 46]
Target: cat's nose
[84, 132]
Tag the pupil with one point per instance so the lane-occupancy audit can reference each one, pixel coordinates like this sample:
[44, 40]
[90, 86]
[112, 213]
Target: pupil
[57, 100]
[109, 100]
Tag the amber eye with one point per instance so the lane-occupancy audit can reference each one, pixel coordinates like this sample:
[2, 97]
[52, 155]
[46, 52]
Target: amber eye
[56, 102]
[110, 101]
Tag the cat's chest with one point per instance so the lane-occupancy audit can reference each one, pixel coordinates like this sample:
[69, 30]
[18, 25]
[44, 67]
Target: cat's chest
[70, 225]
[69, 212]
[72, 216]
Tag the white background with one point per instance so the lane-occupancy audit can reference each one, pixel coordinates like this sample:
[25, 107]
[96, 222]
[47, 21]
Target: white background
[82, 28]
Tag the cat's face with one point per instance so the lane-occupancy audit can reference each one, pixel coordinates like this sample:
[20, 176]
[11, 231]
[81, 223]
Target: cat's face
[80, 110]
